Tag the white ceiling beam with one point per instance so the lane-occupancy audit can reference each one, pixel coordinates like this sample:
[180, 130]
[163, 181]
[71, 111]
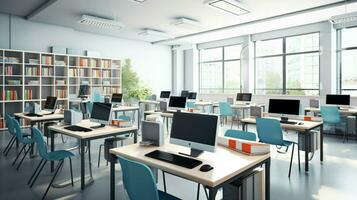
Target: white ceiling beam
[39, 9]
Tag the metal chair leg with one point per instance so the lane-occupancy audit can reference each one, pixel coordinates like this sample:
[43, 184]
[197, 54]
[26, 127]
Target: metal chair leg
[100, 151]
[164, 180]
[90, 160]
[198, 191]
[18, 155]
[70, 166]
[38, 173]
[9, 145]
[299, 158]
[33, 174]
[23, 157]
[53, 178]
[291, 159]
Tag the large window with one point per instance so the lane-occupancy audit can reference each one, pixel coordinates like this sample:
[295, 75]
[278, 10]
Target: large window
[288, 65]
[220, 70]
[347, 60]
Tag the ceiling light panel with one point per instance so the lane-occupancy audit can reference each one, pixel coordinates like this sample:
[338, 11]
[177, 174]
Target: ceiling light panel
[231, 6]
[154, 34]
[186, 23]
[139, 1]
[99, 22]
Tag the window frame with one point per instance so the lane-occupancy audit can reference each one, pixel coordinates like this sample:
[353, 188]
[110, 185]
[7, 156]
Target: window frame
[284, 54]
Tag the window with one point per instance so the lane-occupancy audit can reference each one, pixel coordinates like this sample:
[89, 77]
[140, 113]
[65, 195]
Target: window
[220, 70]
[288, 65]
[347, 59]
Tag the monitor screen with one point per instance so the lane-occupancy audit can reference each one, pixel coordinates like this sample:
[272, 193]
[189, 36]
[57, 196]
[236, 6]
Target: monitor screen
[192, 95]
[336, 99]
[50, 103]
[117, 97]
[244, 96]
[284, 106]
[84, 90]
[185, 93]
[194, 130]
[101, 112]
[165, 94]
[177, 102]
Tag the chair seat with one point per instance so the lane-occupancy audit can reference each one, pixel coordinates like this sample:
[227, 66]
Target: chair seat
[166, 196]
[27, 140]
[58, 155]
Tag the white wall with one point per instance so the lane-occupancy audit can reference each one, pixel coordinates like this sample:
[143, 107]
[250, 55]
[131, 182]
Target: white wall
[151, 62]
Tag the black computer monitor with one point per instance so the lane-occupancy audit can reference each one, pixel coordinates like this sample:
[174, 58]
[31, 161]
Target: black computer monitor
[284, 107]
[338, 99]
[50, 103]
[165, 94]
[83, 91]
[197, 131]
[101, 113]
[177, 103]
[192, 95]
[244, 97]
[185, 93]
[117, 97]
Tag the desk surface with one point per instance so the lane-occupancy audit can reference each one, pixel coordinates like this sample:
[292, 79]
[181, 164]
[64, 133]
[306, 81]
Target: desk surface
[125, 108]
[227, 163]
[42, 118]
[149, 101]
[107, 130]
[346, 111]
[307, 125]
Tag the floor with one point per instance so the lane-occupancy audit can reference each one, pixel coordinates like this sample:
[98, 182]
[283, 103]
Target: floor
[334, 179]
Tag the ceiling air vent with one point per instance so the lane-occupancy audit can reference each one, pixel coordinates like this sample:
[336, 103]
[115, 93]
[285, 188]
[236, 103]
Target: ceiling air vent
[99, 22]
[234, 7]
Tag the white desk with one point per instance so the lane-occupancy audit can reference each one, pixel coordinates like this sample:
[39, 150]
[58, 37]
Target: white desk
[204, 105]
[86, 137]
[228, 165]
[304, 129]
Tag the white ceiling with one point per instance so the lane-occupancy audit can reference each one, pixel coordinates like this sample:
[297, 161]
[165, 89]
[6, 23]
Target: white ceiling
[154, 14]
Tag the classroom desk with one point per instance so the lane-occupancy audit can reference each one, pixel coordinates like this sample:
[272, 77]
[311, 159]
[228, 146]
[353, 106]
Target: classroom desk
[86, 137]
[243, 107]
[228, 166]
[128, 108]
[33, 120]
[304, 129]
[204, 105]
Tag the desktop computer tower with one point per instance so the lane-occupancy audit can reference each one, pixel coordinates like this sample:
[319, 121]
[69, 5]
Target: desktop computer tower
[314, 138]
[351, 125]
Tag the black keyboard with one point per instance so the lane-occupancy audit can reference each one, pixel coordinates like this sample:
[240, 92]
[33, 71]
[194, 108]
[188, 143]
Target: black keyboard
[33, 115]
[288, 122]
[169, 111]
[77, 128]
[174, 159]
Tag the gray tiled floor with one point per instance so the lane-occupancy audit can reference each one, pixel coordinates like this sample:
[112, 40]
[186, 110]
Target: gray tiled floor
[334, 179]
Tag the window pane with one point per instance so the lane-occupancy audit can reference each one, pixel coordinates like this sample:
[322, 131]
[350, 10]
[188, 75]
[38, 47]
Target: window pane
[349, 38]
[211, 77]
[231, 76]
[232, 52]
[350, 92]
[302, 72]
[269, 47]
[211, 54]
[301, 43]
[348, 69]
[269, 75]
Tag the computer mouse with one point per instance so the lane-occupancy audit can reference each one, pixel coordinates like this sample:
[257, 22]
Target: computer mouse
[300, 123]
[206, 168]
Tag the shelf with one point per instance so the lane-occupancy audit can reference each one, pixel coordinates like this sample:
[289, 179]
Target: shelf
[10, 63]
[60, 65]
[45, 65]
[11, 101]
[32, 85]
[32, 76]
[13, 75]
[61, 85]
[48, 85]
[32, 64]
[47, 76]
[13, 85]
[32, 100]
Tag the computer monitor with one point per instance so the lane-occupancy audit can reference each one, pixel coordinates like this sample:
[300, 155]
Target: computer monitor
[185, 93]
[337, 99]
[284, 107]
[117, 97]
[197, 131]
[50, 104]
[192, 95]
[83, 91]
[101, 113]
[244, 97]
[177, 103]
[165, 94]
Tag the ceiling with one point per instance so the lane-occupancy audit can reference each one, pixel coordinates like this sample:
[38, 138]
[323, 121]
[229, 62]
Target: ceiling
[153, 14]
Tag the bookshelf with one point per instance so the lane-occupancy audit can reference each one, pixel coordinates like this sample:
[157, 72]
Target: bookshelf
[27, 76]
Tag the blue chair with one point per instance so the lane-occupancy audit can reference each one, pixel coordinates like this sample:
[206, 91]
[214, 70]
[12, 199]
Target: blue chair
[96, 96]
[11, 129]
[139, 182]
[244, 135]
[270, 132]
[331, 116]
[191, 105]
[58, 155]
[225, 111]
[25, 141]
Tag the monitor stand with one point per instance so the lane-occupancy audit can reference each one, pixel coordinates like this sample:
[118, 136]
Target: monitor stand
[284, 119]
[98, 126]
[194, 153]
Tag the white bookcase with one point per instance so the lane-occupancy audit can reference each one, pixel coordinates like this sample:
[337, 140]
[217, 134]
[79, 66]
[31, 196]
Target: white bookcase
[27, 76]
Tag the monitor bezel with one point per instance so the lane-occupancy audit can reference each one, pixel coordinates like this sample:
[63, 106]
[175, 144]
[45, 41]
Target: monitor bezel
[250, 94]
[176, 108]
[102, 121]
[121, 100]
[349, 102]
[56, 102]
[284, 114]
[165, 92]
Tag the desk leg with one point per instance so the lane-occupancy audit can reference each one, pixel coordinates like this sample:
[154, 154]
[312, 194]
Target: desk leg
[139, 119]
[307, 145]
[33, 144]
[83, 152]
[322, 143]
[267, 180]
[212, 193]
[116, 114]
[135, 136]
[52, 137]
[112, 177]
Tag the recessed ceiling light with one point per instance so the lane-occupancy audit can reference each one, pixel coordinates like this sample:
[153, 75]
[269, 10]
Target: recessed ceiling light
[100, 22]
[231, 6]
[139, 1]
[154, 33]
[187, 23]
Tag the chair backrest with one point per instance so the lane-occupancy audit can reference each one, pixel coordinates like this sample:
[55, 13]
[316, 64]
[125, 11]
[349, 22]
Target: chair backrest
[330, 114]
[269, 131]
[18, 133]
[124, 117]
[191, 104]
[40, 142]
[138, 180]
[244, 135]
[89, 106]
[225, 109]
[10, 124]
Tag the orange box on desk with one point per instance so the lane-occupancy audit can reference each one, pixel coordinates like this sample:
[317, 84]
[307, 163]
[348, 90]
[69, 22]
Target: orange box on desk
[307, 118]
